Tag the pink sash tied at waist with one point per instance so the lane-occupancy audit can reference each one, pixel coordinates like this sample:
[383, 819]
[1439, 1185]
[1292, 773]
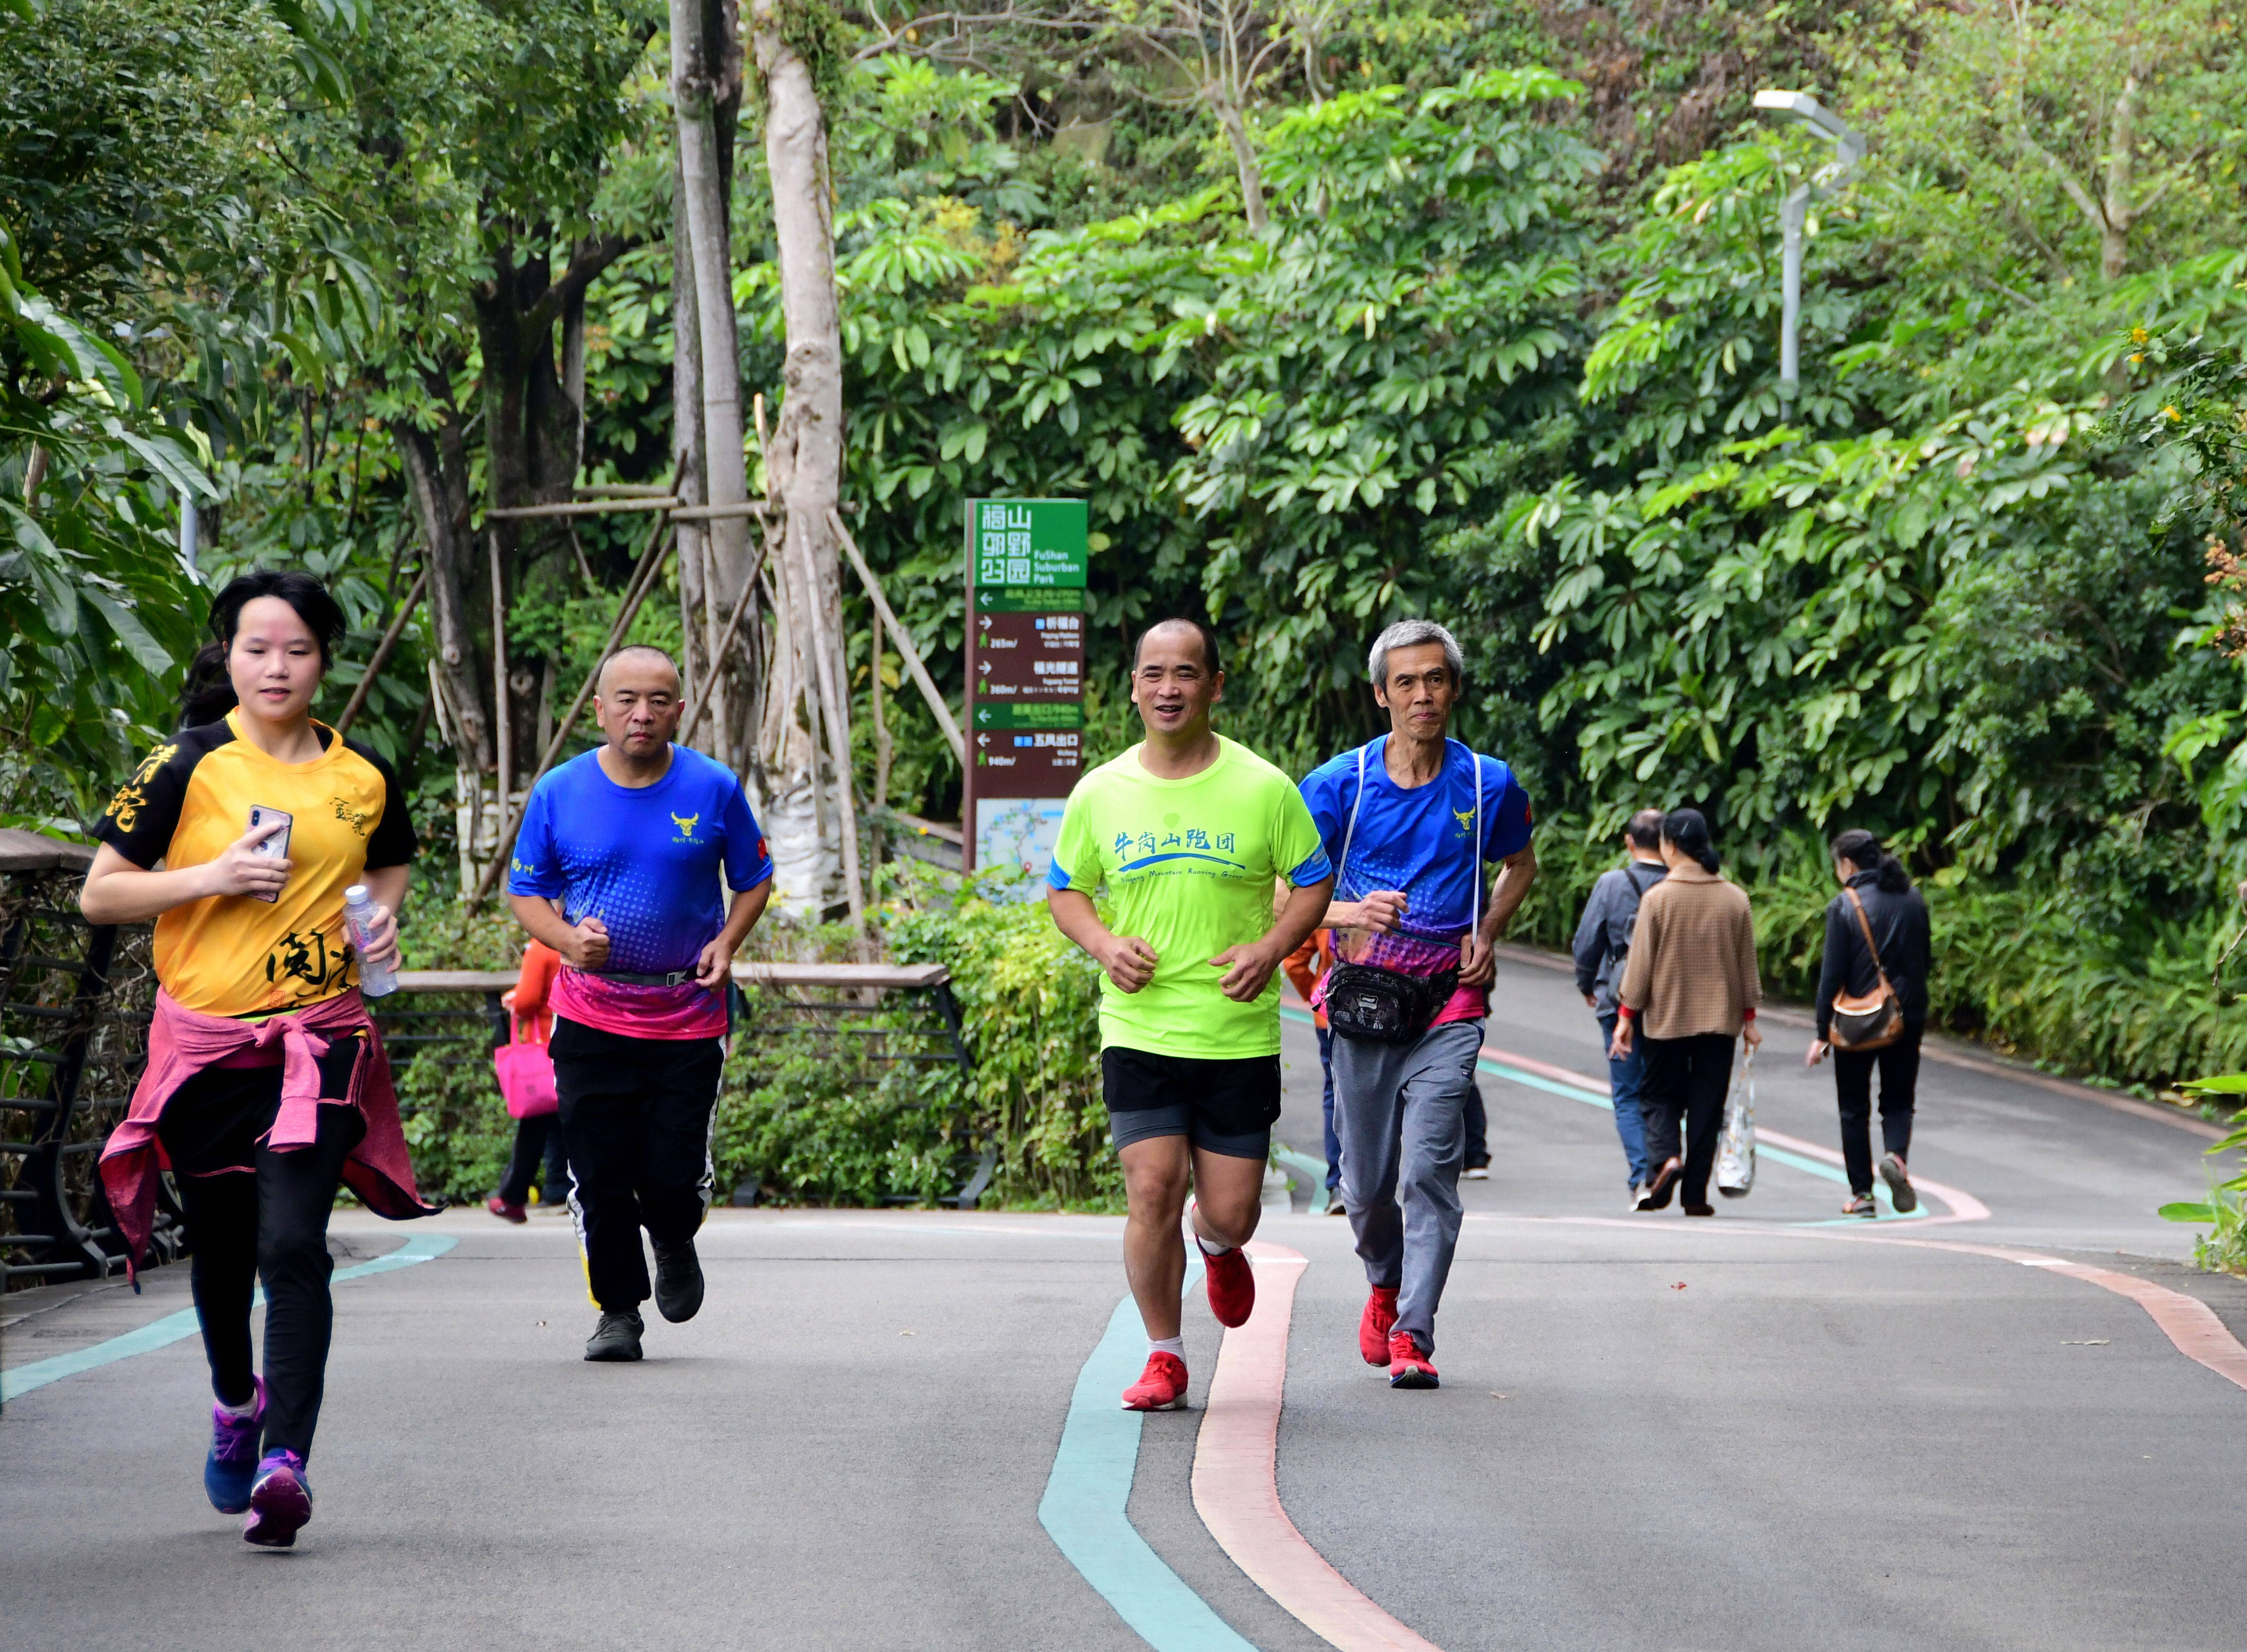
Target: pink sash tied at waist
[183, 1042]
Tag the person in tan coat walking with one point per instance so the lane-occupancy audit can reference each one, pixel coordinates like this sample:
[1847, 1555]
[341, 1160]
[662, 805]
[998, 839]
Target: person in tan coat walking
[1690, 988]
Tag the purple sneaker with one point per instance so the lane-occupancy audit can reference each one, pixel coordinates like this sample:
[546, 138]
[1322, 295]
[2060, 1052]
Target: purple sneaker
[280, 1502]
[233, 1460]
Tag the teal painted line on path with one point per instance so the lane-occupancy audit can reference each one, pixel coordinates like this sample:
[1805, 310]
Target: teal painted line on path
[177, 1327]
[1314, 1170]
[1084, 1508]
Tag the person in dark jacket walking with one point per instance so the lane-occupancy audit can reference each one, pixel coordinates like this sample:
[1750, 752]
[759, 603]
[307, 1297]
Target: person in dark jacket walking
[1897, 913]
[1603, 942]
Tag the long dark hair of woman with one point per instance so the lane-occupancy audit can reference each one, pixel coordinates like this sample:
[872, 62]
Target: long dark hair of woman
[207, 693]
[1689, 829]
[1863, 850]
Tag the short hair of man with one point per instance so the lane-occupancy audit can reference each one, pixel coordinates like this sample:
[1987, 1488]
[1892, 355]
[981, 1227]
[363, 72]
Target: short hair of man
[1208, 641]
[1645, 828]
[662, 654]
[1413, 633]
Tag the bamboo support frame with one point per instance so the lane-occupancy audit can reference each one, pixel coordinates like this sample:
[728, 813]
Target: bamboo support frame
[396, 629]
[910, 655]
[581, 508]
[651, 560]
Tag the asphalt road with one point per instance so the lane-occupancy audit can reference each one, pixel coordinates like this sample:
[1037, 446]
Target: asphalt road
[1771, 1430]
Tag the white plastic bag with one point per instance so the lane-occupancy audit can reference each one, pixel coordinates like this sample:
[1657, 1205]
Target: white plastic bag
[1735, 1156]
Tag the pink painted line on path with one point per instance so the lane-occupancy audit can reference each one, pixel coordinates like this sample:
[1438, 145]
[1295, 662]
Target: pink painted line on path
[1962, 1207]
[1236, 1487]
[2188, 1323]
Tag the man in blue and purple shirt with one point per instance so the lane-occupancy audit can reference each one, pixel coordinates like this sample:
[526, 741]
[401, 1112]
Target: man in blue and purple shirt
[1410, 821]
[617, 869]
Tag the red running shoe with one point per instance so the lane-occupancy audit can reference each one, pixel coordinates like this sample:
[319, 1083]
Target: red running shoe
[1408, 1366]
[1373, 1325]
[1230, 1284]
[505, 1212]
[1161, 1387]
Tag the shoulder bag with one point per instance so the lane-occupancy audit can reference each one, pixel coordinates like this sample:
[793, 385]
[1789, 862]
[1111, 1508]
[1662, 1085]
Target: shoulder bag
[526, 1073]
[1875, 1020]
[1377, 1006]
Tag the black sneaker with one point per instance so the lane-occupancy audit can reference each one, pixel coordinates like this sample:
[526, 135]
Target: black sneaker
[617, 1337]
[1899, 1181]
[677, 1281]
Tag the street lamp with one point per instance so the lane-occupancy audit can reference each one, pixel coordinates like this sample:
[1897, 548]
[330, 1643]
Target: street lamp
[1849, 150]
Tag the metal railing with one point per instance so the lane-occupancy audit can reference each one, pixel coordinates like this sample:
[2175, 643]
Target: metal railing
[74, 1005]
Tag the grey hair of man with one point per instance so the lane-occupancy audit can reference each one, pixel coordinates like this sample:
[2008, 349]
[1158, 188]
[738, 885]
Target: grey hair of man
[1413, 633]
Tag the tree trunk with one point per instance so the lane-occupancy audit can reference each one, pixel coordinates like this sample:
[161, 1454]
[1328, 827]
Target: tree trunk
[686, 455]
[1244, 159]
[804, 461]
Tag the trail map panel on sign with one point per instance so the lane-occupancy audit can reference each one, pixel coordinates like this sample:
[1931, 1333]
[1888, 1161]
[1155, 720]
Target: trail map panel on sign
[1026, 575]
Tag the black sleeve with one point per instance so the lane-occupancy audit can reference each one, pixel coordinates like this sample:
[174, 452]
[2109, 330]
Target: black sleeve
[1834, 967]
[142, 818]
[391, 842]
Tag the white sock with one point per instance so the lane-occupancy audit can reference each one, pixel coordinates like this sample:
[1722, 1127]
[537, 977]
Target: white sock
[243, 1412]
[1209, 1249]
[1173, 1346]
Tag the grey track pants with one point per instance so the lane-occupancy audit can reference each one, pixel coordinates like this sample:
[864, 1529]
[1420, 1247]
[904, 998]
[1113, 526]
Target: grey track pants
[1400, 1111]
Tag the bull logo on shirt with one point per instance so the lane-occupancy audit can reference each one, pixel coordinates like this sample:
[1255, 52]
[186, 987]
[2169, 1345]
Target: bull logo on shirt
[1465, 818]
[685, 825]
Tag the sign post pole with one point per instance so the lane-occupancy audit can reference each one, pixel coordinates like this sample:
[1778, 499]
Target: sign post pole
[1025, 702]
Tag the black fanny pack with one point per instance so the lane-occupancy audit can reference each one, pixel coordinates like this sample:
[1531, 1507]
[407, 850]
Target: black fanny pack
[1378, 1006]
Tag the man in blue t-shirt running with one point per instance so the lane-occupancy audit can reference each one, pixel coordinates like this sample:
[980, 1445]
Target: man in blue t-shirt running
[616, 869]
[1409, 821]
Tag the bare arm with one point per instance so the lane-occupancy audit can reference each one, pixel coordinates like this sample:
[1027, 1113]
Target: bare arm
[117, 891]
[715, 965]
[1129, 961]
[1248, 969]
[585, 945]
[1478, 961]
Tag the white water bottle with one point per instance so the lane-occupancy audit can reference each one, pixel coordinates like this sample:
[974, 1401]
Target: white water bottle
[375, 980]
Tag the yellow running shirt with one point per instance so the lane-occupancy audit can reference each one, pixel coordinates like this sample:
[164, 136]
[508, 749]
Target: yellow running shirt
[1188, 864]
[191, 797]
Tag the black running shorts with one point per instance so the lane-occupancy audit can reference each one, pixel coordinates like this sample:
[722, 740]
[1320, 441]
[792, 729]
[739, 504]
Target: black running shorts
[1227, 1106]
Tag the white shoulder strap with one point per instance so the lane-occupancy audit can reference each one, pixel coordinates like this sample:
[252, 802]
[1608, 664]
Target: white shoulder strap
[1474, 905]
[1350, 835]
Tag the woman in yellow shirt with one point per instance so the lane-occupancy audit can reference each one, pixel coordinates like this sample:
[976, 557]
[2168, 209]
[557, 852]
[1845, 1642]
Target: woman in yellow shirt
[266, 1085]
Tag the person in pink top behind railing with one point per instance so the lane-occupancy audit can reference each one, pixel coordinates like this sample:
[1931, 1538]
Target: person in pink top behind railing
[536, 1134]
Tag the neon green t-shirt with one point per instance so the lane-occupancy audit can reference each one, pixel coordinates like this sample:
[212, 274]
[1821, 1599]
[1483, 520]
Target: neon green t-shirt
[1188, 865]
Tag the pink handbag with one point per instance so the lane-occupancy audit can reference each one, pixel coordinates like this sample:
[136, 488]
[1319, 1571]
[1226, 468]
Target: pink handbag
[526, 1077]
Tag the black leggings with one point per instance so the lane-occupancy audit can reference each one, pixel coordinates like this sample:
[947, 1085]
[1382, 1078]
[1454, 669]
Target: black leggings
[1687, 1077]
[254, 1213]
[1852, 1089]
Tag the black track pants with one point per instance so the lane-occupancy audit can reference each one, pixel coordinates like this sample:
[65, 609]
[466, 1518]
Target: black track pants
[635, 1118]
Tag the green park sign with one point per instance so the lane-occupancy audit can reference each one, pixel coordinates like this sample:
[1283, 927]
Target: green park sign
[1025, 544]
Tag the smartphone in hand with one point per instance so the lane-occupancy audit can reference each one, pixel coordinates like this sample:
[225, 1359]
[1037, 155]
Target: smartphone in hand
[277, 846]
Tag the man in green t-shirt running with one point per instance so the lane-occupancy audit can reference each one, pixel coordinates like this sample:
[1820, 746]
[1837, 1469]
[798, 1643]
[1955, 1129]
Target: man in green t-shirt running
[1188, 832]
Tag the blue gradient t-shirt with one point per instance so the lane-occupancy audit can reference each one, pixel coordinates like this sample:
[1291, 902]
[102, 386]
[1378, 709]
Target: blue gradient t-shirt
[1419, 840]
[645, 862]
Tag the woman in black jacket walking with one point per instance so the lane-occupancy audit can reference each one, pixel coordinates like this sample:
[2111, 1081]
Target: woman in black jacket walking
[1897, 913]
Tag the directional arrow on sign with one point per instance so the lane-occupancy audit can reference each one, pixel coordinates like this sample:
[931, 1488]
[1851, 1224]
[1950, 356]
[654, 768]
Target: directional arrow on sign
[987, 622]
[983, 666]
[984, 715]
